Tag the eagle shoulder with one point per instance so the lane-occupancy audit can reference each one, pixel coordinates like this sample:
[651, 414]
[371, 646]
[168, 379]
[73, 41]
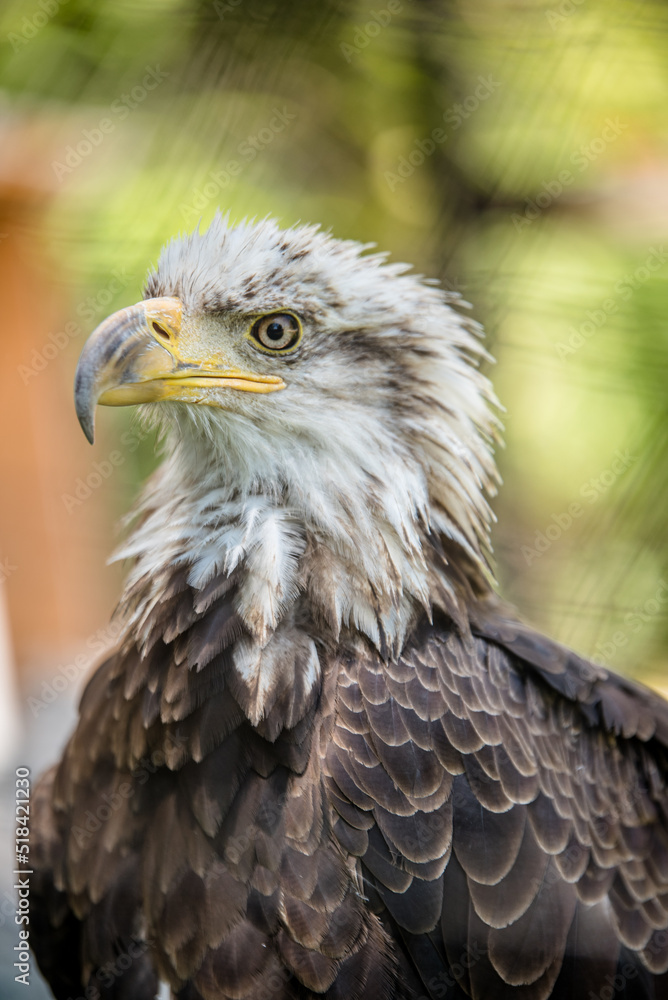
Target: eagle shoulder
[507, 801]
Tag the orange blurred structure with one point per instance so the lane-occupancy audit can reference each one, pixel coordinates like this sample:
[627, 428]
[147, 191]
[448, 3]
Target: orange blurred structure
[51, 557]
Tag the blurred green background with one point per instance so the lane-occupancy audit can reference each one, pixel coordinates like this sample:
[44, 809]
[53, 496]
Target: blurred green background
[517, 151]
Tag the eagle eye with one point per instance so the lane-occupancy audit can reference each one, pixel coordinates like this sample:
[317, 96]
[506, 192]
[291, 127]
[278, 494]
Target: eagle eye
[278, 333]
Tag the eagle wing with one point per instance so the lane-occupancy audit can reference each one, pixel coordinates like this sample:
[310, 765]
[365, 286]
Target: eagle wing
[507, 801]
[483, 817]
[174, 839]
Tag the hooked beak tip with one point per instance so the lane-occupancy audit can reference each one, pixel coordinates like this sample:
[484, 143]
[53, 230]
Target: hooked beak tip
[84, 404]
[88, 427]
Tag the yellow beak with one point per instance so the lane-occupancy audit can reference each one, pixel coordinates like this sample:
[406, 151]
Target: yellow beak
[143, 354]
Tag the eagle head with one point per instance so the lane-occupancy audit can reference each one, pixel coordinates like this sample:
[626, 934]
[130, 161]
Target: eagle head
[323, 760]
[325, 422]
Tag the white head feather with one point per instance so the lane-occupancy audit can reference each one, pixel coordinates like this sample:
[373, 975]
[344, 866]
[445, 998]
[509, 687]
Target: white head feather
[335, 493]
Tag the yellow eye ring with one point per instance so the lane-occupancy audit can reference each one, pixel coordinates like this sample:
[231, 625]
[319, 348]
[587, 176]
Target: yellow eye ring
[276, 333]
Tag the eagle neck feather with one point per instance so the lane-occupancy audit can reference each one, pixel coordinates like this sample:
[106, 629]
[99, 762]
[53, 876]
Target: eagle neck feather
[324, 553]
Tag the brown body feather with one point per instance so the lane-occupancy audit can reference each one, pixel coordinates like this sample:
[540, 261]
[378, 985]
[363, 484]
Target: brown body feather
[486, 812]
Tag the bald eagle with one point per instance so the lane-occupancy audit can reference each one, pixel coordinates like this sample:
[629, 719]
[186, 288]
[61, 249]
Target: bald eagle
[324, 760]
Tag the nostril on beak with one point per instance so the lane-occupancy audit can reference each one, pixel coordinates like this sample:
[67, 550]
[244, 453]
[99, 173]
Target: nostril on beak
[160, 330]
